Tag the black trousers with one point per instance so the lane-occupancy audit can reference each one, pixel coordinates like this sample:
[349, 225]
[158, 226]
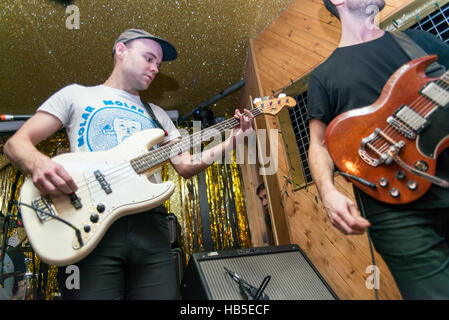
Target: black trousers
[133, 261]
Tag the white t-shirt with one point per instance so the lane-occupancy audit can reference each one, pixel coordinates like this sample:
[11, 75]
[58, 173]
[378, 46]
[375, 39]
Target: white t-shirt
[99, 118]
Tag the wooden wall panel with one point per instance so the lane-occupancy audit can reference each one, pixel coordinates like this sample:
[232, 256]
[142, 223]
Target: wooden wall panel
[250, 172]
[302, 37]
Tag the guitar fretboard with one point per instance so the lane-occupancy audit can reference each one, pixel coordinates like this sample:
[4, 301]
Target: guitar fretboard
[160, 155]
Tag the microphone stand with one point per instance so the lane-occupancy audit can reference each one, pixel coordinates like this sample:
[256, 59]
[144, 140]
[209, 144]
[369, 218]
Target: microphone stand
[6, 225]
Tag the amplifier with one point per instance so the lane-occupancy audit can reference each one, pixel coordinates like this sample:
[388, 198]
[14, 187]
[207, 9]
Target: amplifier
[293, 277]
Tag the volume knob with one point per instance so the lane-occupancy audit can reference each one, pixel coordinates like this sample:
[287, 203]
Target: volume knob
[94, 217]
[412, 185]
[400, 175]
[383, 182]
[101, 207]
[394, 192]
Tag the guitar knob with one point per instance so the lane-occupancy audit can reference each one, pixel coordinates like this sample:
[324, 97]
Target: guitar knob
[421, 165]
[394, 192]
[86, 228]
[400, 175]
[94, 217]
[101, 207]
[412, 185]
[383, 182]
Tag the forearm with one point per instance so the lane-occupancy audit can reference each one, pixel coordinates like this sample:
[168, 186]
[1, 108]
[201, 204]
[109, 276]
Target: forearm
[22, 153]
[189, 165]
[322, 168]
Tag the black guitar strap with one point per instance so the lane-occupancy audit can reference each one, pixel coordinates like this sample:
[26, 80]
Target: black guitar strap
[414, 51]
[151, 112]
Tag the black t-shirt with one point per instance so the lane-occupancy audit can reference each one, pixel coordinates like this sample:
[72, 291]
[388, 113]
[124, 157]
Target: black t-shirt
[354, 76]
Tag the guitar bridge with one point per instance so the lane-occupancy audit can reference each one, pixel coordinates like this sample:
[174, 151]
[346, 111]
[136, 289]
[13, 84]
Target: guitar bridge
[102, 180]
[43, 208]
[384, 152]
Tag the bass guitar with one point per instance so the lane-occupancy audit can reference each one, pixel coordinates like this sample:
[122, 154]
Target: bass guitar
[63, 229]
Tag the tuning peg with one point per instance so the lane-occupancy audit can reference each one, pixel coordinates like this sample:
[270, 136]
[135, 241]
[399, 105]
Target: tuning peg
[257, 100]
[282, 95]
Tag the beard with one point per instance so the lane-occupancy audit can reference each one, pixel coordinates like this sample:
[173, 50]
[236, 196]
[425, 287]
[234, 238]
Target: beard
[365, 8]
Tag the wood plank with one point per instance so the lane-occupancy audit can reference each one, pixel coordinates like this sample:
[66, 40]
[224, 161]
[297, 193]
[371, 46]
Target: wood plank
[316, 10]
[269, 84]
[274, 61]
[271, 70]
[250, 175]
[285, 62]
[300, 53]
[297, 35]
[254, 210]
[312, 26]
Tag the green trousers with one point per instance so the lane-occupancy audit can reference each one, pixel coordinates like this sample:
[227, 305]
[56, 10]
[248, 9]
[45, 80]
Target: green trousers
[415, 245]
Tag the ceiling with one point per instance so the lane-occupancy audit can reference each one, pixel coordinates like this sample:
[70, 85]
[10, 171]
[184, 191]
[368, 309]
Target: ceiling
[39, 54]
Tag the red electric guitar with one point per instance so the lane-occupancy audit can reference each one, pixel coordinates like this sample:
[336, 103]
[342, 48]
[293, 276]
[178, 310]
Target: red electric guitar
[390, 148]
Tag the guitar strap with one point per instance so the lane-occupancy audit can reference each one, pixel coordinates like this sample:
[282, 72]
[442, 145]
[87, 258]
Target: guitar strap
[414, 51]
[151, 112]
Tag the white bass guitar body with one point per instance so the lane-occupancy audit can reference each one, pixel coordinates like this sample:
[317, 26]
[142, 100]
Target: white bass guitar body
[109, 188]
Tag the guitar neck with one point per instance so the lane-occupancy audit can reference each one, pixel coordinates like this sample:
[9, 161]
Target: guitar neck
[160, 155]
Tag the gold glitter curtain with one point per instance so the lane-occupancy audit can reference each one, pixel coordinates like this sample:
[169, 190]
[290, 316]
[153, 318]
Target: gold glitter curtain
[227, 211]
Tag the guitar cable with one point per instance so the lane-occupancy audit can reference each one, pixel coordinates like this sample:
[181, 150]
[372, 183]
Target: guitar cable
[77, 231]
[362, 210]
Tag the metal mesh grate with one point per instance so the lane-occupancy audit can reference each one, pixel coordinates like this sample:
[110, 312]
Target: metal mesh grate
[300, 126]
[436, 23]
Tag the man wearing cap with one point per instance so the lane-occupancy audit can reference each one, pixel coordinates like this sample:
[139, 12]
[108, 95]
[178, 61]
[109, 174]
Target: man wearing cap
[133, 260]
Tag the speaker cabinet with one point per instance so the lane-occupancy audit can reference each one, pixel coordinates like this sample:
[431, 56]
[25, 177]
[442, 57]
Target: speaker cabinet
[293, 277]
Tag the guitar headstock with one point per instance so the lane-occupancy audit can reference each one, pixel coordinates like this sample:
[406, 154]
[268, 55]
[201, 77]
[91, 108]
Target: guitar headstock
[274, 106]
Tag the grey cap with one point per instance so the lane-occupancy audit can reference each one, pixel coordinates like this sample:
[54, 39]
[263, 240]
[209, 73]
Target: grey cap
[168, 50]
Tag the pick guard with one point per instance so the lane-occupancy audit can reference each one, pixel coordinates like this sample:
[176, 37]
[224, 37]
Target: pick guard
[432, 137]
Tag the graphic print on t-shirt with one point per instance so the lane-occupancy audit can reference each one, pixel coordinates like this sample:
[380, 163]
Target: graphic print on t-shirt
[122, 128]
[106, 127]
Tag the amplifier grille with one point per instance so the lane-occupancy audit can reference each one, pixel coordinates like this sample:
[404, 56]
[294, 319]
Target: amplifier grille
[292, 277]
